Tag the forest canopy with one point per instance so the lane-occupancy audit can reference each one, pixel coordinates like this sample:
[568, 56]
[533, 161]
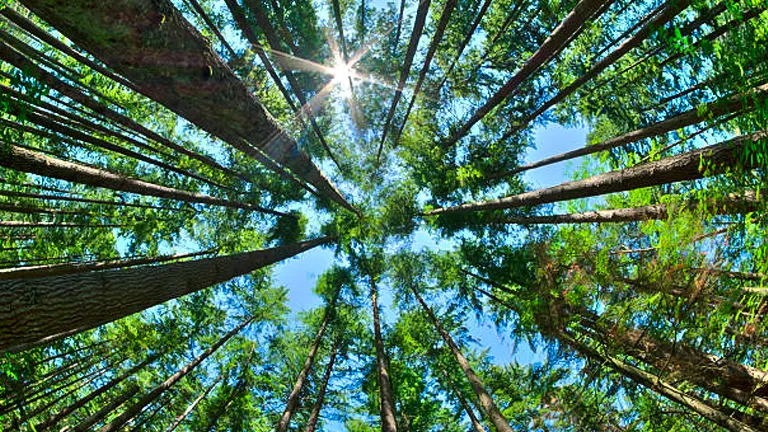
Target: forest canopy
[159, 159]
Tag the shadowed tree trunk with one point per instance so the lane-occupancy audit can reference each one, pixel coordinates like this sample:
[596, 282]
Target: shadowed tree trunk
[293, 397]
[445, 15]
[53, 420]
[105, 411]
[48, 270]
[486, 401]
[405, 69]
[655, 384]
[158, 391]
[314, 415]
[42, 308]
[25, 224]
[20, 159]
[672, 9]
[170, 62]
[476, 425]
[193, 405]
[464, 43]
[386, 398]
[693, 165]
[556, 41]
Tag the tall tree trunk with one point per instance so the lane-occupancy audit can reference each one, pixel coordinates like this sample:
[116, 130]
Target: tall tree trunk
[148, 417]
[25, 224]
[88, 422]
[671, 10]
[693, 116]
[476, 425]
[555, 43]
[445, 15]
[152, 35]
[193, 405]
[729, 379]
[314, 415]
[19, 159]
[486, 401]
[293, 397]
[48, 270]
[46, 406]
[16, 194]
[75, 351]
[405, 69]
[53, 420]
[386, 398]
[42, 308]
[242, 382]
[150, 397]
[729, 205]
[464, 43]
[207, 20]
[655, 384]
[693, 165]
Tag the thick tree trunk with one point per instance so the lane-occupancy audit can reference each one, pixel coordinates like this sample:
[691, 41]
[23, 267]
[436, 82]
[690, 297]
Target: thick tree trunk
[386, 397]
[44, 307]
[556, 41]
[655, 384]
[293, 397]
[693, 165]
[53, 420]
[169, 61]
[150, 397]
[672, 9]
[193, 405]
[314, 415]
[49, 270]
[445, 16]
[88, 422]
[693, 116]
[730, 205]
[20, 159]
[405, 69]
[730, 379]
[486, 401]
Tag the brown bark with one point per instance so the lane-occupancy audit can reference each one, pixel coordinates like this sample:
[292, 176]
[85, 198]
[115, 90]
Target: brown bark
[44, 307]
[80, 200]
[548, 50]
[48, 270]
[53, 420]
[445, 15]
[193, 405]
[158, 391]
[275, 44]
[293, 397]
[44, 407]
[170, 62]
[486, 401]
[26, 209]
[708, 161]
[405, 69]
[314, 415]
[386, 397]
[655, 384]
[20, 159]
[25, 224]
[670, 12]
[691, 117]
[730, 205]
[99, 415]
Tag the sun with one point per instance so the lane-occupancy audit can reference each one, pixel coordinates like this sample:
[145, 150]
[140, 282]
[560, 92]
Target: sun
[343, 74]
